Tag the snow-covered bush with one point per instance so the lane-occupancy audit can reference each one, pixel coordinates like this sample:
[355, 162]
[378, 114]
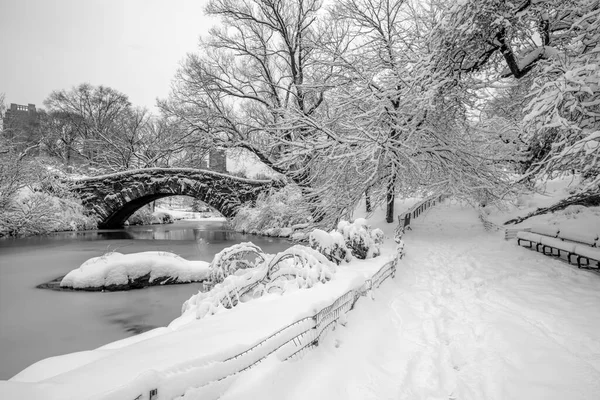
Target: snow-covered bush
[331, 245]
[33, 201]
[36, 213]
[282, 209]
[362, 241]
[226, 294]
[237, 275]
[298, 267]
[230, 259]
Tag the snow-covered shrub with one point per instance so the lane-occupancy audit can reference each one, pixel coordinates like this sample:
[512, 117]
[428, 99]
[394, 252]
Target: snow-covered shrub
[36, 213]
[331, 245]
[360, 239]
[281, 209]
[298, 267]
[225, 294]
[230, 259]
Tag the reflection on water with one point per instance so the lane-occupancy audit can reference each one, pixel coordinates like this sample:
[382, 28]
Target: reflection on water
[38, 323]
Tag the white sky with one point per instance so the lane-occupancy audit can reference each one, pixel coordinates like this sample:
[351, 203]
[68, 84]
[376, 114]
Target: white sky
[133, 46]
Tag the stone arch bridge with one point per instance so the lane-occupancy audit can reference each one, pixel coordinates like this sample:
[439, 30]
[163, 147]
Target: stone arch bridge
[115, 197]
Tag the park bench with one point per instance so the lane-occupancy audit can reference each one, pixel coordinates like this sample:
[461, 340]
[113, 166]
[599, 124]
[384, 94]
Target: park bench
[553, 240]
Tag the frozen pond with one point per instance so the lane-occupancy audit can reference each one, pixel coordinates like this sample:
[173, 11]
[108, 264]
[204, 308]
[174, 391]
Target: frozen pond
[37, 323]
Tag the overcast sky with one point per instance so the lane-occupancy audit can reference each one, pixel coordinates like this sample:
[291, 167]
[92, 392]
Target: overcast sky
[133, 46]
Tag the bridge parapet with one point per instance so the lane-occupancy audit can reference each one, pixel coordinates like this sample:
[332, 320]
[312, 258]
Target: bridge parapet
[114, 197]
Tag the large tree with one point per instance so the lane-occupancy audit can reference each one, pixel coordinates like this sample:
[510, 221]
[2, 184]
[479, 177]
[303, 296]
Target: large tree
[87, 116]
[341, 102]
[256, 80]
[416, 120]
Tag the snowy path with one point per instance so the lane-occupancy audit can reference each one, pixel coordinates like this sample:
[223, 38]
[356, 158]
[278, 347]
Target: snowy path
[468, 316]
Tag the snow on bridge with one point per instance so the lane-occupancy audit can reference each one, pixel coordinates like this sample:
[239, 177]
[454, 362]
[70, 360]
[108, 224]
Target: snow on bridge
[115, 197]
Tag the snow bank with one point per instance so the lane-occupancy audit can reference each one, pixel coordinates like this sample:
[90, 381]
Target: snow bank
[573, 217]
[118, 271]
[544, 195]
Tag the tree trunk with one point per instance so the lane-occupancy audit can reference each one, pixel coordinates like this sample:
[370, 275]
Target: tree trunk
[368, 200]
[390, 197]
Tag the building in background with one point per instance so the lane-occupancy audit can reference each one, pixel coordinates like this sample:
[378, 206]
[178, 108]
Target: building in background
[20, 124]
[217, 160]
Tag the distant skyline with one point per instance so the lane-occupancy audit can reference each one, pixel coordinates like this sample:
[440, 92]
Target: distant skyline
[133, 46]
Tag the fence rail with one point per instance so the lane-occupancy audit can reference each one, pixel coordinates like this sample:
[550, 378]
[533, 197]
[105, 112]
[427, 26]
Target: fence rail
[415, 211]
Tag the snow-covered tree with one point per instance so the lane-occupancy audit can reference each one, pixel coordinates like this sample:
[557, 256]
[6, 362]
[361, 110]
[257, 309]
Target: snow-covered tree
[252, 70]
[552, 43]
[408, 115]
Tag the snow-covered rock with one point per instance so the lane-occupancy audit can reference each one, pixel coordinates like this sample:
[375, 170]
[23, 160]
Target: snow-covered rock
[116, 271]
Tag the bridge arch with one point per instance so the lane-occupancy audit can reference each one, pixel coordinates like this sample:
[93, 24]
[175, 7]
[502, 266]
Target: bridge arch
[115, 197]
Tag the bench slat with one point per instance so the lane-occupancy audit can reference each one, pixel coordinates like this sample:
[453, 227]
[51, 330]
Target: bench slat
[592, 253]
[532, 237]
[559, 244]
[546, 230]
[588, 237]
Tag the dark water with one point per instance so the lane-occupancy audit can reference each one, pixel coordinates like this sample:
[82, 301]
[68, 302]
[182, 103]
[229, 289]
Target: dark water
[36, 323]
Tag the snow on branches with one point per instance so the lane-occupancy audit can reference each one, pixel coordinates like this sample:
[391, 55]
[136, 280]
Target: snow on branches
[226, 294]
[244, 270]
[229, 260]
[564, 106]
[298, 267]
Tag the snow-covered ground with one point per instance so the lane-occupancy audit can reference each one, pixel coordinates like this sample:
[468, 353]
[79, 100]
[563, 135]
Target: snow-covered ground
[468, 316]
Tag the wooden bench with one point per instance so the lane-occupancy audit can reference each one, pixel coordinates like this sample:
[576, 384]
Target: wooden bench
[552, 240]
